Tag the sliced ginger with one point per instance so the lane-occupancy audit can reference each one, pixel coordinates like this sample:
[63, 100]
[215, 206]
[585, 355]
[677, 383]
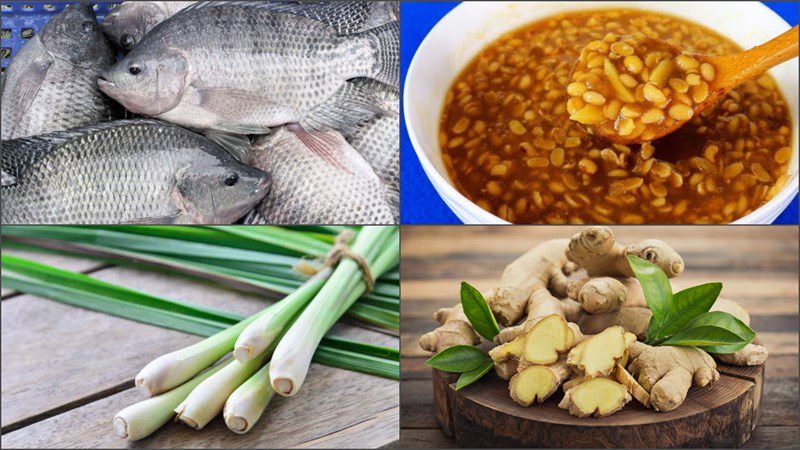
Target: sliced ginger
[633, 386]
[598, 397]
[597, 355]
[541, 345]
[537, 383]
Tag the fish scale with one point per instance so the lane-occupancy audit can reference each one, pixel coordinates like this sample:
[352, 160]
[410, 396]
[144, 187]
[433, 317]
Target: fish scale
[123, 171]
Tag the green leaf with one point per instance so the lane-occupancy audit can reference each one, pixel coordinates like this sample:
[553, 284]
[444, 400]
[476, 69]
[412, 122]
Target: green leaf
[474, 375]
[657, 291]
[477, 311]
[728, 322]
[687, 305]
[459, 358]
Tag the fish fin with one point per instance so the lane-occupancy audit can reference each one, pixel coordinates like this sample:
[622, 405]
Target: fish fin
[238, 145]
[346, 17]
[334, 150]
[255, 217]
[157, 220]
[385, 41]
[344, 111]
[8, 179]
[29, 85]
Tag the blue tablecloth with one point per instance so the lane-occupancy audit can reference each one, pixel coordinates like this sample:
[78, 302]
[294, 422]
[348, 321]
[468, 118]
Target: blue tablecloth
[420, 202]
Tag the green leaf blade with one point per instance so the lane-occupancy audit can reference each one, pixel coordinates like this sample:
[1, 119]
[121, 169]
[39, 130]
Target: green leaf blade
[459, 359]
[467, 378]
[656, 286]
[687, 305]
[478, 312]
[727, 322]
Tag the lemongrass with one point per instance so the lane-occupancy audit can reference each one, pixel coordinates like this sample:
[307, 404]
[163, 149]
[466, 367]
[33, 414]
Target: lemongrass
[207, 399]
[248, 402]
[142, 419]
[172, 369]
[294, 352]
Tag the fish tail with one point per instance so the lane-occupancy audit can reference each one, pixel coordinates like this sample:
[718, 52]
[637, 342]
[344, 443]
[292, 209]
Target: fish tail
[385, 41]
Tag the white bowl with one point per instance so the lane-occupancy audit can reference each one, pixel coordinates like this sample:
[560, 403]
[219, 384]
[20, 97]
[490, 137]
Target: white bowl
[469, 27]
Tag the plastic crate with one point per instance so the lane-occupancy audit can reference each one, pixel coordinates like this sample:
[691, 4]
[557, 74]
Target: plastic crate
[22, 20]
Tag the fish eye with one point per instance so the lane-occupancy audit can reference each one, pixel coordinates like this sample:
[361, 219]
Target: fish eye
[88, 26]
[134, 69]
[126, 41]
[231, 178]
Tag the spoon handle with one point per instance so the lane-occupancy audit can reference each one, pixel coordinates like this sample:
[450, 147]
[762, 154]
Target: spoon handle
[733, 70]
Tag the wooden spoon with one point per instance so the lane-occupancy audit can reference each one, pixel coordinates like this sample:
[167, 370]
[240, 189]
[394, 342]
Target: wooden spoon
[728, 72]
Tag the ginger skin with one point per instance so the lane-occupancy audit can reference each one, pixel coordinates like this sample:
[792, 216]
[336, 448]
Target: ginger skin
[455, 329]
[667, 372]
[529, 286]
[598, 397]
[537, 383]
[595, 250]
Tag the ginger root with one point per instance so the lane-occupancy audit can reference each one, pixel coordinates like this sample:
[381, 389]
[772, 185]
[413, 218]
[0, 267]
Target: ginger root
[537, 383]
[455, 330]
[541, 345]
[598, 397]
[667, 372]
[634, 388]
[530, 285]
[606, 294]
[750, 355]
[595, 250]
[598, 355]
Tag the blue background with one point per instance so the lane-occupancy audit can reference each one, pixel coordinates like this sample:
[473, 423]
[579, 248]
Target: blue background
[420, 202]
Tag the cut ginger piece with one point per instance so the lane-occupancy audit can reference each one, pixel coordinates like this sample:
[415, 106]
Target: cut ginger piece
[598, 397]
[537, 383]
[634, 388]
[546, 340]
[598, 355]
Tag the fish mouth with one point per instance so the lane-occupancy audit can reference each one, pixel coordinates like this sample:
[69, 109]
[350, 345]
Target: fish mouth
[263, 186]
[104, 84]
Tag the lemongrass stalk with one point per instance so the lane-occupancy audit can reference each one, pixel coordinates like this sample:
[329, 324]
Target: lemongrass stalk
[294, 352]
[207, 399]
[173, 369]
[248, 402]
[144, 418]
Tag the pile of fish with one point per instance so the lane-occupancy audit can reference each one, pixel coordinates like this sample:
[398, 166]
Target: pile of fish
[261, 112]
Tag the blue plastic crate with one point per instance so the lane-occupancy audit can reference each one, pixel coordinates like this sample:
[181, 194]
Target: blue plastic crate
[22, 20]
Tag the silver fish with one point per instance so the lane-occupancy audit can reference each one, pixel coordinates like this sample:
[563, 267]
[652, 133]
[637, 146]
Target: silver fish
[241, 67]
[378, 141]
[127, 24]
[128, 171]
[318, 178]
[51, 83]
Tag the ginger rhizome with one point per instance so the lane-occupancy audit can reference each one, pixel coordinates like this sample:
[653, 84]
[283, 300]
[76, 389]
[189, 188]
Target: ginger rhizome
[667, 372]
[598, 355]
[598, 397]
[580, 336]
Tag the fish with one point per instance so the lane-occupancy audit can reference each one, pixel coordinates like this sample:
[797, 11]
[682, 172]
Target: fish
[243, 68]
[330, 185]
[378, 140]
[126, 171]
[51, 84]
[127, 24]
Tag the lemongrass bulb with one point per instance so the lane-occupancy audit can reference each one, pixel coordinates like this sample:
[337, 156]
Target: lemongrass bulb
[207, 399]
[144, 418]
[292, 357]
[263, 331]
[248, 402]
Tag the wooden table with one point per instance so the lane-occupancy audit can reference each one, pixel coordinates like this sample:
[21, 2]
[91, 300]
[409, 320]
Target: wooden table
[757, 265]
[66, 371]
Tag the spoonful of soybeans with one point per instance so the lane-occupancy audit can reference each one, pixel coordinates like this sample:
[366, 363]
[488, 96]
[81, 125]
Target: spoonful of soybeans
[633, 88]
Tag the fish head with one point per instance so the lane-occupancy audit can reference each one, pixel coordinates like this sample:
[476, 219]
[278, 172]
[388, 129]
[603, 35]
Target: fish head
[220, 192]
[77, 23]
[127, 24]
[149, 83]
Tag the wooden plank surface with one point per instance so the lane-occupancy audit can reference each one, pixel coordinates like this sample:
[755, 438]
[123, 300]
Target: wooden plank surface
[758, 267]
[66, 371]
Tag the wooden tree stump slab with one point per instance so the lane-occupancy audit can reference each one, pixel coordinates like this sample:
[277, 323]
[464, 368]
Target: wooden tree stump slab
[483, 415]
